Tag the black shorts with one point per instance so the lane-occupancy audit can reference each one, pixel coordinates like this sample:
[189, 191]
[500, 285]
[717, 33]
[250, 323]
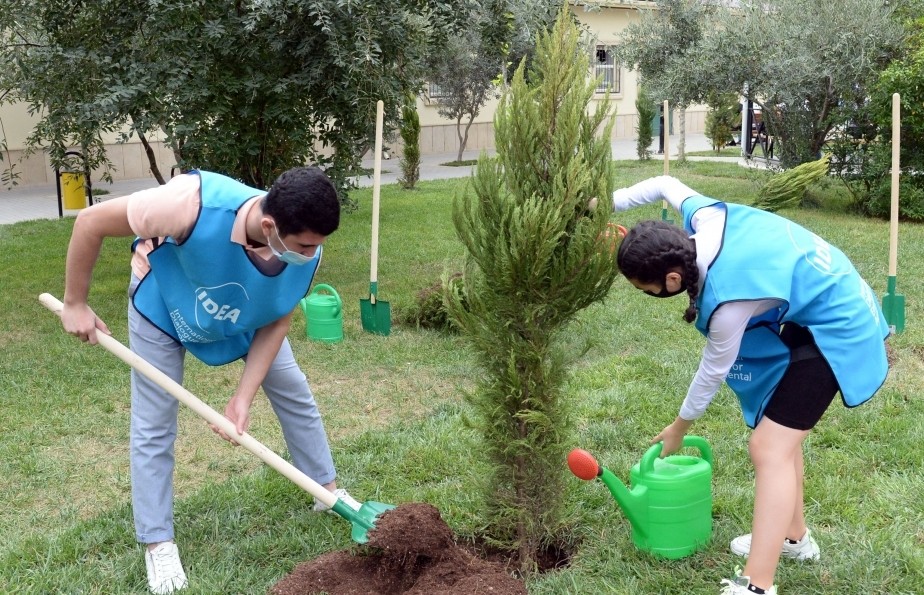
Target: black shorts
[807, 387]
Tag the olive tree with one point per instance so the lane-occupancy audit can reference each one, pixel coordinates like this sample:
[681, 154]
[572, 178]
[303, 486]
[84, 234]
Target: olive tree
[660, 45]
[808, 64]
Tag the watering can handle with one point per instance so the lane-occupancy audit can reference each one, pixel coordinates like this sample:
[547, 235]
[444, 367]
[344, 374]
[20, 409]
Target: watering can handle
[304, 301]
[647, 464]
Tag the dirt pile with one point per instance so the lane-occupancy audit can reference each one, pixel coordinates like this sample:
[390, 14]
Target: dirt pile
[411, 551]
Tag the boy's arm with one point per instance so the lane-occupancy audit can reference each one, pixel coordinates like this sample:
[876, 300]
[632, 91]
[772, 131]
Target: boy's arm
[92, 226]
[263, 351]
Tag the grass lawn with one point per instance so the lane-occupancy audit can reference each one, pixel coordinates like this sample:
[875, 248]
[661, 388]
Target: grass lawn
[394, 410]
[723, 152]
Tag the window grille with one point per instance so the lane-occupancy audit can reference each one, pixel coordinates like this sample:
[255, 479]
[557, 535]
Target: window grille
[606, 70]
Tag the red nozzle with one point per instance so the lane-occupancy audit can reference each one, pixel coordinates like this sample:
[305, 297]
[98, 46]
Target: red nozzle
[583, 464]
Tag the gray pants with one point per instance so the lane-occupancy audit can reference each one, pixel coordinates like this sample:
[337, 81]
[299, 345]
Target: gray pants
[154, 424]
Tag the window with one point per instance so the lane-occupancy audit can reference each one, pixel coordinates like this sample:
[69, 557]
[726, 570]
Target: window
[435, 92]
[606, 69]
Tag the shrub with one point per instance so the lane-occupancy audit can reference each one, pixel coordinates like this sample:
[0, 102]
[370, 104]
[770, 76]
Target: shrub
[787, 189]
[911, 199]
[723, 119]
[644, 131]
[410, 134]
[430, 309]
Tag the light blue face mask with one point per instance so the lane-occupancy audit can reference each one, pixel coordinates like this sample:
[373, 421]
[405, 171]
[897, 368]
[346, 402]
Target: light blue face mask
[289, 257]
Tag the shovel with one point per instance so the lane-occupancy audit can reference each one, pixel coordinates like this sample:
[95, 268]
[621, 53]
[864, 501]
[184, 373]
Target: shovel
[376, 314]
[893, 304]
[362, 520]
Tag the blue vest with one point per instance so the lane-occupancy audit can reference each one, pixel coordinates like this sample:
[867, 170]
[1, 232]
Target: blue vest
[205, 292]
[764, 256]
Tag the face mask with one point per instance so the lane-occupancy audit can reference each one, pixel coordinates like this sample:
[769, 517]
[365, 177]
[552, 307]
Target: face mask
[289, 257]
[664, 293]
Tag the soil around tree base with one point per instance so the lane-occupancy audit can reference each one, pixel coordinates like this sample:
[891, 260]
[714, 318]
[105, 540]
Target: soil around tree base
[411, 551]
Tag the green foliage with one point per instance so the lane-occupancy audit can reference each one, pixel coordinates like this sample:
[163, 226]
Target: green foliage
[410, 134]
[646, 109]
[868, 157]
[808, 64]
[813, 70]
[787, 189]
[467, 69]
[430, 311]
[660, 45]
[723, 119]
[530, 19]
[878, 202]
[247, 89]
[534, 261]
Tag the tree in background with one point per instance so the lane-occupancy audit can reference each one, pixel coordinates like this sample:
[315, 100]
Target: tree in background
[807, 64]
[869, 141]
[646, 109]
[466, 72]
[535, 258]
[246, 89]
[410, 135]
[659, 46]
[530, 19]
[723, 119]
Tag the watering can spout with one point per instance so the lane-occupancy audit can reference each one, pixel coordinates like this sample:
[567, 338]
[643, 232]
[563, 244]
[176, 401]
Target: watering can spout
[634, 502]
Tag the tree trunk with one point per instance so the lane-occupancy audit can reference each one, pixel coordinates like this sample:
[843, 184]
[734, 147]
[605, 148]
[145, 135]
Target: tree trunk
[152, 159]
[462, 138]
[682, 141]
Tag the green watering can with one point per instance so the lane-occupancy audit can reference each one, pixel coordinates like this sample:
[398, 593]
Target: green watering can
[670, 503]
[323, 314]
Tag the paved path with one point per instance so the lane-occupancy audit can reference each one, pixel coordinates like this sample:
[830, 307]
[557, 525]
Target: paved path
[23, 203]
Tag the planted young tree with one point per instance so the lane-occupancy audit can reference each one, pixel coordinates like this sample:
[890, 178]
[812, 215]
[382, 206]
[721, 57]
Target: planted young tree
[410, 135]
[535, 258]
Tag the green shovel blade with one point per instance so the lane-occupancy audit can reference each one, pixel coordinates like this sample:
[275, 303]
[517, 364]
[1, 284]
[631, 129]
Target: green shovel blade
[375, 314]
[363, 519]
[893, 307]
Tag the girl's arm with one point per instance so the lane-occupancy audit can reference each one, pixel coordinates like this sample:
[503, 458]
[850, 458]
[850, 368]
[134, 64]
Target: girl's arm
[652, 190]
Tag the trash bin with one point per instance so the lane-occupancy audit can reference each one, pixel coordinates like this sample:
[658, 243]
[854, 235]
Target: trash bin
[73, 190]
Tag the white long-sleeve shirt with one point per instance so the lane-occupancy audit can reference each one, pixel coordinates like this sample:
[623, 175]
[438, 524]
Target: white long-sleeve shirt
[729, 321]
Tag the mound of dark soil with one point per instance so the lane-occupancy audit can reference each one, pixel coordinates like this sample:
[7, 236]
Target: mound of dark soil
[410, 551]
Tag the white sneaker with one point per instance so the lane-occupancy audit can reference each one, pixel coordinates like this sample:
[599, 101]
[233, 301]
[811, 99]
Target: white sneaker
[165, 572]
[343, 495]
[804, 549]
[739, 586]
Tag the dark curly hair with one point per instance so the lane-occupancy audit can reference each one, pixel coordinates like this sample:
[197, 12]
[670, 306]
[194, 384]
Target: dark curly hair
[652, 249]
[303, 198]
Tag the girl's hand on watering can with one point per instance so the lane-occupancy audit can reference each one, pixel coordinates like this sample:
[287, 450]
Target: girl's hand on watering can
[672, 436]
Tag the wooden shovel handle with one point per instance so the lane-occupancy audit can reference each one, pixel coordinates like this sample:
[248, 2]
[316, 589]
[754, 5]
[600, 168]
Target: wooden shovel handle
[202, 409]
[896, 173]
[376, 188]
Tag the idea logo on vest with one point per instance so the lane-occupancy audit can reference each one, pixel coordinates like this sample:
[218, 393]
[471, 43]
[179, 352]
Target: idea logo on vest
[219, 305]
